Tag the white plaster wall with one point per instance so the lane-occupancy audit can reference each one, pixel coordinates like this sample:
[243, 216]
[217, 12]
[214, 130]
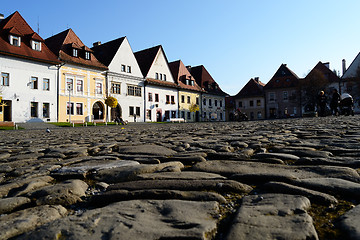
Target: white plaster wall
[162, 91]
[20, 93]
[160, 65]
[217, 110]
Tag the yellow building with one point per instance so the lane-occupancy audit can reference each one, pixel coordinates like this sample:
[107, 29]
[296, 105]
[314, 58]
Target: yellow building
[81, 83]
[189, 92]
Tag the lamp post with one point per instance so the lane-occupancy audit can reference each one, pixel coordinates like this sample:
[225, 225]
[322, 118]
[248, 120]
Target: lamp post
[69, 88]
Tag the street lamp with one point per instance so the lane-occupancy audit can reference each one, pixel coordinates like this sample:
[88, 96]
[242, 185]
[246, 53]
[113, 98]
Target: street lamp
[69, 89]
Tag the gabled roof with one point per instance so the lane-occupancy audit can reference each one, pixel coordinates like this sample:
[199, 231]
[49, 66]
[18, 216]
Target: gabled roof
[106, 51]
[180, 74]
[205, 80]
[16, 25]
[283, 78]
[322, 68]
[62, 44]
[352, 70]
[146, 58]
[253, 88]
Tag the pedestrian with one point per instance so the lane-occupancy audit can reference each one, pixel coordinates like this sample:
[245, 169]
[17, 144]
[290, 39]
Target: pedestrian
[322, 103]
[134, 117]
[334, 104]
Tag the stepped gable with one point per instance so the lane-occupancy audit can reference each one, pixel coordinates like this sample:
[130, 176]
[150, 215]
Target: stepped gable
[146, 57]
[253, 88]
[205, 80]
[180, 74]
[106, 52]
[62, 44]
[16, 25]
[323, 69]
[283, 78]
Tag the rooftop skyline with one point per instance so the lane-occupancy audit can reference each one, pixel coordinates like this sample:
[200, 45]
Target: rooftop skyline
[234, 40]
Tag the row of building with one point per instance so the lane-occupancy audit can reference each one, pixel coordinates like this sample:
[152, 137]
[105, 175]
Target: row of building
[60, 79]
[286, 95]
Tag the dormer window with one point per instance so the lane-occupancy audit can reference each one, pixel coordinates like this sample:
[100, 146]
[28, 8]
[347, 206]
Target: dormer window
[36, 45]
[75, 52]
[15, 40]
[87, 55]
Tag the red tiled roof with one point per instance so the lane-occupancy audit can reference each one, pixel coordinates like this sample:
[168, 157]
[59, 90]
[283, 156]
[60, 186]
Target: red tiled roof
[180, 73]
[283, 78]
[253, 88]
[160, 83]
[16, 25]
[205, 80]
[106, 52]
[63, 43]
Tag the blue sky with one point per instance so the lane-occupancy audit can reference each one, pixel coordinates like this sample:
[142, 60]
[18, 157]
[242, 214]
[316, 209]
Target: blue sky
[234, 39]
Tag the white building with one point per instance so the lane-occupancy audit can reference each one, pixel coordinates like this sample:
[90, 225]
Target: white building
[125, 81]
[28, 73]
[161, 91]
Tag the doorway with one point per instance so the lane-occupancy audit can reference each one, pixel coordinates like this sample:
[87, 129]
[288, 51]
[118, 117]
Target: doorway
[115, 112]
[98, 111]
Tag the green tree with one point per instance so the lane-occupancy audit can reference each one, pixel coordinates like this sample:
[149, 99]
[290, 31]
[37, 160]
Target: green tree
[310, 86]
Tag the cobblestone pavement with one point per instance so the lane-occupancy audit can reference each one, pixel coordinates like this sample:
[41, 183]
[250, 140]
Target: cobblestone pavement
[273, 179]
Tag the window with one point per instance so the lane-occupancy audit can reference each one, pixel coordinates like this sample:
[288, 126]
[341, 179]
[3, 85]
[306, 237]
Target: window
[4, 79]
[123, 68]
[134, 91]
[161, 78]
[156, 97]
[69, 84]
[173, 114]
[220, 103]
[197, 101]
[75, 52]
[150, 97]
[115, 88]
[34, 83]
[259, 115]
[258, 102]
[167, 99]
[131, 111]
[204, 102]
[148, 114]
[79, 86]
[285, 95]
[182, 99]
[79, 109]
[271, 96]
[98, 88]
[71, 108]
[221, 116]
[188, 99]
[87, 55]
[34, 109]
[215, 103]
[156, 76]
[138, 111]
[164, 77]
[15, 40]
[129, 69]
[46, 110]
[251, 103]
[172, 100]
[46, 84]
[209, 102]
[182, 114]
[240, 104]
[188, 115]
[36, 45]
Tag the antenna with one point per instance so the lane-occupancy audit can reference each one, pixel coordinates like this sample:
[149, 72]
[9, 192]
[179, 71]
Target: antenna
[38, 26]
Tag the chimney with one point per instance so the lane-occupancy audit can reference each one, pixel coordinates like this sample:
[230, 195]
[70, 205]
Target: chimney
[98, 43]
[256, 79]
[327, 64]
[1, 17]
[343, 66]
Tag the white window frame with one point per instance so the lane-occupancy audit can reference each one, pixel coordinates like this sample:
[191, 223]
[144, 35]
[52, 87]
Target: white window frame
[36, 45]
[81, 91]
[5, 79]
[115, 88]
[16, 38]
[87, 55]
[98, 85]
[285, 96]
[69, 85]
[82, 108]
[33, 81]
[46, 84]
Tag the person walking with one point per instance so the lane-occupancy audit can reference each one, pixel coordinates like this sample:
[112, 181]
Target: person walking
[334, 104]
[322, 103]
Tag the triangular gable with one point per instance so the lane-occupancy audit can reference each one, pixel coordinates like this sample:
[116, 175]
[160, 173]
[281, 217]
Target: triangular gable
[352, 70]
[180, 74]
[206, 81]
[105, 52]
[283, 78]
[327, 73]
[146, 57]
[252, 88]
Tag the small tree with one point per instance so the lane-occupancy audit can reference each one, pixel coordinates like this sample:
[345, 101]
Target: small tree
[310, 88]
[111, 102]
[194, 108]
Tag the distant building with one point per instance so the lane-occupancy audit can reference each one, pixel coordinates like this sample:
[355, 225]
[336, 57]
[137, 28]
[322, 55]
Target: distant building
[124, 79]
[213, 99]
[282, 94]
[350, 81]
[28, 84]
[82, 82]
[250, 100]
[161, 90]
[189, 92]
